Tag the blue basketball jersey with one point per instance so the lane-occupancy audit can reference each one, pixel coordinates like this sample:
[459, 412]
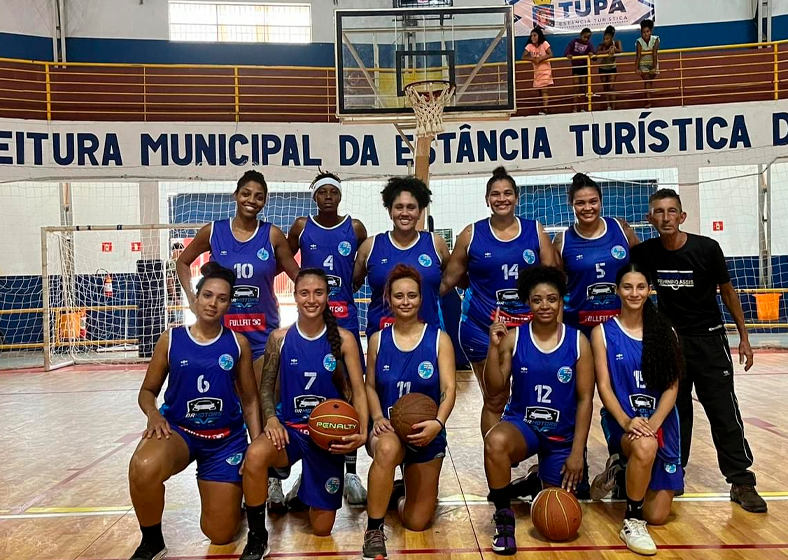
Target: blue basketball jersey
[306, 367]
[624, 354]
[200, 395]
[398, 372]
[254, 310]
[493, 268]
[591, 266]
[334, 250]
[422, 256]
[543, 383]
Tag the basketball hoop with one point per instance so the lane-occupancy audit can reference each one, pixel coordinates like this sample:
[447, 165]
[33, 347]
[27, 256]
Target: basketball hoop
[428, 98]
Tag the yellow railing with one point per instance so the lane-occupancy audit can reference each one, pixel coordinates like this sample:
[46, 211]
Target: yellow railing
[104, 91]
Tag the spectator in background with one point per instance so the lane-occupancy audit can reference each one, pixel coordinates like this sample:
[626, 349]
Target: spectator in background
[646, 59]
[606, 52]
[174, 295]
[577, 47]
[538, 52]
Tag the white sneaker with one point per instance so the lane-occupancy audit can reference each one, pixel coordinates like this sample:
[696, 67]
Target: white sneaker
[605, 481]
[292, 500]
[635, 534]
[276, 499]
[355, 493]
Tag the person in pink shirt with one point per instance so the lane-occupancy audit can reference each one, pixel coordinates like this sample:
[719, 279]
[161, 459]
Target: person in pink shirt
[538, 52]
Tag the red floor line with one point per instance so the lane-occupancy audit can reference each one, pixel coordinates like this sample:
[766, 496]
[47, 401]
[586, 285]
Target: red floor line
[544, 548]
[762, 424]
[122, 442]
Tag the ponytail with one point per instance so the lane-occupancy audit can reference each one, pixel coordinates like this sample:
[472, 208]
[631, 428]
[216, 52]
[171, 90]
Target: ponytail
[339, 378]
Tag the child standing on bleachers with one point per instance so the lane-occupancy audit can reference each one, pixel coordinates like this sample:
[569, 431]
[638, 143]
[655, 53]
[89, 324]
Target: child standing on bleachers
[606, 52]
[538, 52]
[580, 46]
[646, 59]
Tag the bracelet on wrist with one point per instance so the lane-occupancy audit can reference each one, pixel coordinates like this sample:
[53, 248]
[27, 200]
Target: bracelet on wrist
[443, 426]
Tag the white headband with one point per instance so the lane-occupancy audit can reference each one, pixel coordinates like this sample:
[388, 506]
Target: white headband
[325, 181]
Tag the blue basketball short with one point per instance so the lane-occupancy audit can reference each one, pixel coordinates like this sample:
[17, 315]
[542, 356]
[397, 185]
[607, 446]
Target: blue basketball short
[322, 473]
[552, 454]
[436, 449]
[665, 475]
[474, 339]
[218, 460]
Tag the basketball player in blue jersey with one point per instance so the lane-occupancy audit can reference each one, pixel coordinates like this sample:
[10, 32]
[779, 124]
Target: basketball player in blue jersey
[330, 241]
[405, 198]
[313, 360]
[210, 395]
[493, 252]
[638, 366]
[411, 356]
[256, 251]
[552, 392]
[592, 251]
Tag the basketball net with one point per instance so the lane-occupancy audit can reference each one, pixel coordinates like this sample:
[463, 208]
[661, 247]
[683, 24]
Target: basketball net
[428, 99]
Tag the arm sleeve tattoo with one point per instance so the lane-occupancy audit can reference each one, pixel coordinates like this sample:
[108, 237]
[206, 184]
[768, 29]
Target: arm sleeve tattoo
[270, 373]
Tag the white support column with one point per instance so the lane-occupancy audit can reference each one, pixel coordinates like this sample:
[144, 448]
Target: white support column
[689, 189]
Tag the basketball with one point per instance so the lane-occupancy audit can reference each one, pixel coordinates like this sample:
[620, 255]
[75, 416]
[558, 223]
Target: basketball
[409, 410]
[556, 514]
[330, 421]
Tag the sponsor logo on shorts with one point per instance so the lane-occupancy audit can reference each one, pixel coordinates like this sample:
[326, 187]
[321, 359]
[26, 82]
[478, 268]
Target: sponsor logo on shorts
[425, 260]
[226, 362]
[263, 255]
[529, 256]
[426, 369]
[344, 248]
[541, 418]
[565, 374]
[235, 460]
[618, 252]
[329, 362]
[670, 468]
[245, 322]
[332, 485]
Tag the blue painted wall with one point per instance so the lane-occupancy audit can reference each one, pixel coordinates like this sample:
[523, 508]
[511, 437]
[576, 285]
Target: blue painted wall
[322, 54]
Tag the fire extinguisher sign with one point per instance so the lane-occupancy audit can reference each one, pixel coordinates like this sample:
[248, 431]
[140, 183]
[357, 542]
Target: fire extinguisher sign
[136, 246]
[106, 246]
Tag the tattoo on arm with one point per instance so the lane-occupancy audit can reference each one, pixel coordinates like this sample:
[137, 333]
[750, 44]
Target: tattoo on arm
[270, 373]
[443, 396]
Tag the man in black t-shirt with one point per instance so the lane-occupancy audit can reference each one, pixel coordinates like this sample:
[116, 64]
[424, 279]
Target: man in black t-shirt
[686, 270]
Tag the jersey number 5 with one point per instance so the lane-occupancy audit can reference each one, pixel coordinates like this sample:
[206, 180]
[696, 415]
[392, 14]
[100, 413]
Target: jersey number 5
[600, 270]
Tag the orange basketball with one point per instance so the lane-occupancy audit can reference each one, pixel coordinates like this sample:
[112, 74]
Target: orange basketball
[556, 514]
[331, 420]
[412, 409]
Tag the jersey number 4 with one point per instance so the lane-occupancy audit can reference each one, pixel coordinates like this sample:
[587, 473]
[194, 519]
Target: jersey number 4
[328, 264]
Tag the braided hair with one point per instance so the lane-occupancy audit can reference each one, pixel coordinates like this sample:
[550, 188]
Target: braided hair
[339, 377]
[661, 361]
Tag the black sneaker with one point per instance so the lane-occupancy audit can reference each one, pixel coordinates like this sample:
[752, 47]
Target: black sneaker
[527, 487]
[748, 498]
[503, 542]
[397, 492]
[374, 545]
[256, 546]
[146, 551]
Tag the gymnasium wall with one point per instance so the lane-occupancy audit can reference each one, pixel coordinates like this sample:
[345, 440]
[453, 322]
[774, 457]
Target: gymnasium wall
[127, 31]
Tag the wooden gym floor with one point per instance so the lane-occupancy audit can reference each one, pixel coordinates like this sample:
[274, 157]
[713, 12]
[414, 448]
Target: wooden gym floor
[68, 435]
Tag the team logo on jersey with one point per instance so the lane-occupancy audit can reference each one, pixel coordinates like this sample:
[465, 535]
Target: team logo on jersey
[344, 248]
[529, 256]
[670, 468]
[618, 252]
[226, 362]
[329, 362]
[565, 374]
[426, 369]
[425, 260]
[640, 401]
[235, 460]
[332, 485]
[263, 255]
[204, 410]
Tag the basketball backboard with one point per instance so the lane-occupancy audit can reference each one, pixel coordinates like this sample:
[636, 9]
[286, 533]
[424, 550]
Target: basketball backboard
[379, 52]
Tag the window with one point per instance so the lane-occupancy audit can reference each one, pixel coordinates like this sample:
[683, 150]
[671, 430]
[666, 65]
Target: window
[240, 23]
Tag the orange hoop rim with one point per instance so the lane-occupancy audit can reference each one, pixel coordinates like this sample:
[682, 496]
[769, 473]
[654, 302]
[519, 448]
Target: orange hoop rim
[437, 86]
